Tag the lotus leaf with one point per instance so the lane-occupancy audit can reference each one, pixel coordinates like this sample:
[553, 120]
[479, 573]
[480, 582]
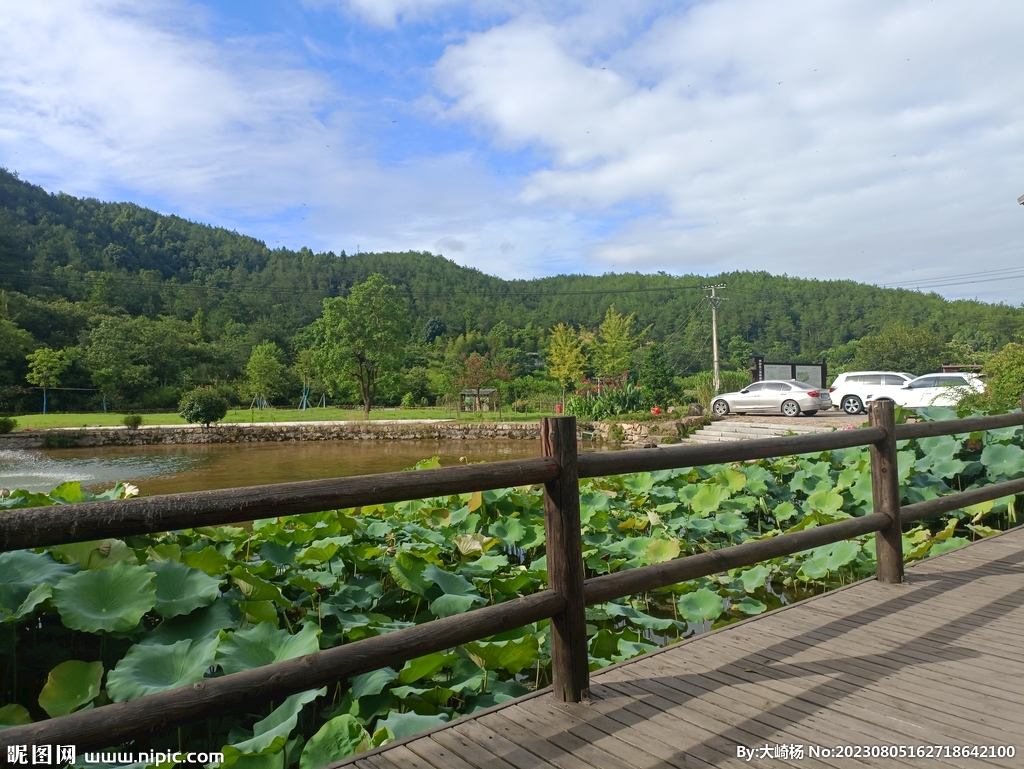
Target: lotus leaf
[150, 669]
[754, 578]
[459, 593]
[661, 550]
[424, 667]
[32, 568]
[96, 555]
[69, 686]
[339, 738]
[201, 623]
[944, 546]
[628, 649]
[784, 511]
[905, 460]
[371, 683]
[749, 605]
[512, 655]
[404, 725]
[180, 589]
[270, 734]
[209, 559]
[18, 599]
[1003, 460]
[109, 600]
[828, 501]
[638, 618]
[264, 644]
[508, 530]
[700, 606]
[255, 588]
[708, 499]
[433, 694]
[730, 522]
[14, 715]
[407, 571]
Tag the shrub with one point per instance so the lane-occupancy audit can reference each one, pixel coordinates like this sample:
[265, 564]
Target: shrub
[132, 421]
[1006, 376]
[408, 401]
[7, 424]
[203, 405]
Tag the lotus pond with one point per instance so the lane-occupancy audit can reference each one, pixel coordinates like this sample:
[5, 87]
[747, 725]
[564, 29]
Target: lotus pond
[98, 622]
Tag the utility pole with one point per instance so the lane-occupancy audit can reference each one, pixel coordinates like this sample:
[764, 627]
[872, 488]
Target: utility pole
[714, 300]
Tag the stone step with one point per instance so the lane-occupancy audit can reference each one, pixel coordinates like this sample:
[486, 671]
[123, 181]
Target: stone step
[718, 432]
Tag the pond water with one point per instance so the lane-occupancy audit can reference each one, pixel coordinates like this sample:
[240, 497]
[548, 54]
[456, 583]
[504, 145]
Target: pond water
[169, 469]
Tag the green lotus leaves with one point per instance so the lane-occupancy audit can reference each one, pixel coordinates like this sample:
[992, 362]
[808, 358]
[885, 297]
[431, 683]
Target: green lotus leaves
[69, 686]
[404, 725]
[828, 501]
[108, 600]
[424, 667]
[374, 682]
[1003, 460]
[708, 499]
[339, 738]
[100, 554]
[19, 599]
[750, 605]
[264, 644]
[754, 578]
[459, 594]
[14, 715]
[700, 606]
[407, 571]
[270, 734]
[512, 655]
[180, 589]
[32, 568]
[152, 668]
[201, 623]
[508, 530]
[661, 550]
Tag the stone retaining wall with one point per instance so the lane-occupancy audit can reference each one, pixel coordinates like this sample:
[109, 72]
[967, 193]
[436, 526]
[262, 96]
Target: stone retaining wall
[632, 433]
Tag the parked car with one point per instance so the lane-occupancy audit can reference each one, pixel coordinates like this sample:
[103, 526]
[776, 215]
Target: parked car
[934, 390]
[774, 396]
[850, 391]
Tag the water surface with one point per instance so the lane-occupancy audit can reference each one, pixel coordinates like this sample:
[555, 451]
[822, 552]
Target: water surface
[169, 469]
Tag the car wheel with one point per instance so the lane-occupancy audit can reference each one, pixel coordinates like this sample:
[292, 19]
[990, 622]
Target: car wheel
[791, 409]
[720, 408]
[852, 405]
[810, 413]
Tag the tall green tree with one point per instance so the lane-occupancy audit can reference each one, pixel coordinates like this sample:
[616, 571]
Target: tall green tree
[615, 344]
[566, 359]
[364, 336]
[656, 376]
[901, 347]
[265, 374]
[45, 367]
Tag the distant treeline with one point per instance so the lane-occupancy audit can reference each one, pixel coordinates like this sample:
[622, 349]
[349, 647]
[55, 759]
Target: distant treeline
[186, 303]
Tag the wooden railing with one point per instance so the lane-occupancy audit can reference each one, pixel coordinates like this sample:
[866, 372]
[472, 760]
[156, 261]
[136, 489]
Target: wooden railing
[564, 602]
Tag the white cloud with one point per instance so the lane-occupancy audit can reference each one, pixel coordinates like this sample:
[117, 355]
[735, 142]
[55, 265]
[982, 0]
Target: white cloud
[851, 139]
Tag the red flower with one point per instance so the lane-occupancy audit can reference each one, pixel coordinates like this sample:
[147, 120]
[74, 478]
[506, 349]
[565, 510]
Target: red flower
[656, 410]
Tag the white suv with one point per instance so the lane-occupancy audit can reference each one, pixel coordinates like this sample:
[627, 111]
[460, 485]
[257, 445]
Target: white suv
[946, 389]
[850, 391]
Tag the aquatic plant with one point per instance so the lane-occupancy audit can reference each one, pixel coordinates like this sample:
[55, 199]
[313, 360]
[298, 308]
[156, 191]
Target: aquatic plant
[95, 622]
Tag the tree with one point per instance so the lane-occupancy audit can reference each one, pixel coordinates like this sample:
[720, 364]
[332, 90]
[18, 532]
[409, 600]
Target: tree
[45, 367]
[566, 360]
[365, 335]
[901, 348]
[264, 374]
[613, 349]
[656, 376]
[1006, 376]
[203, 405]
[434, 328]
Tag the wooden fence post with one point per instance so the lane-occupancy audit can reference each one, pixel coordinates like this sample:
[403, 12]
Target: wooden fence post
[570, 671]
[885, 492]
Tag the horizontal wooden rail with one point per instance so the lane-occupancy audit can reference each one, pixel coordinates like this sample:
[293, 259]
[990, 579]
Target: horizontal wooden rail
[600, 463]
[658, 575]
[958, 426]
[112, 724]
[932, 507]
[61, 524]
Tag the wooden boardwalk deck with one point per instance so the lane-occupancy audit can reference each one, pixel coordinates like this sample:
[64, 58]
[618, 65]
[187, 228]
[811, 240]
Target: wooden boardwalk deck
[935, 662]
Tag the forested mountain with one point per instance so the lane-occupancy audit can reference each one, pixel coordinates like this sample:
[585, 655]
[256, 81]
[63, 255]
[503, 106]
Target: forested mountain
[188, 301]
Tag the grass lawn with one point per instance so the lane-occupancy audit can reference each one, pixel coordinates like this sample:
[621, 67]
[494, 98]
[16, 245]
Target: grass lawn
[41, 422]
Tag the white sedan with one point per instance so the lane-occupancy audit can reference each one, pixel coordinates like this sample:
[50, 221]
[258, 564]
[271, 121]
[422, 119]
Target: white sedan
[791, 398]
[934, 390]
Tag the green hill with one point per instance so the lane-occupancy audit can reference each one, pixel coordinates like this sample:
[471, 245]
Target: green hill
[205, 295]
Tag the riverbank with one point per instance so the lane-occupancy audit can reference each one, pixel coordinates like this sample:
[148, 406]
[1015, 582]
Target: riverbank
[354, 430]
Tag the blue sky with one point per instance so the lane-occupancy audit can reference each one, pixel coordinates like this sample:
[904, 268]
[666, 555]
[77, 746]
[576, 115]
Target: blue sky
[878, 141]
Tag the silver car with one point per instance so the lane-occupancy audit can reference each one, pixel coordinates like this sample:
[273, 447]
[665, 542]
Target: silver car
[773, 396]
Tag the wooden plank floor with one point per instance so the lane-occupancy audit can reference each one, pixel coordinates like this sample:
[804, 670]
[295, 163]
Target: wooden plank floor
[936, 662]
